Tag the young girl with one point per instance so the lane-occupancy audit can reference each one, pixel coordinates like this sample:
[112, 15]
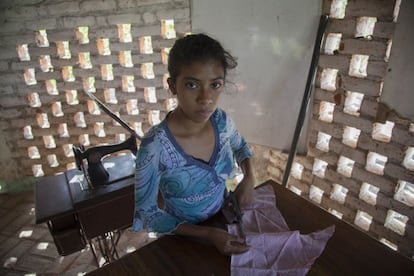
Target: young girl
[189, 156]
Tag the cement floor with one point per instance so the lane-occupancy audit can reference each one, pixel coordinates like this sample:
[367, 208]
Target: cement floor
[28, 249]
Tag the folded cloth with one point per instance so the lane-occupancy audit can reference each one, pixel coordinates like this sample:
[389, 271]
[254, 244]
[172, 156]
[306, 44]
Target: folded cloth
[262, 213]
[275, 250]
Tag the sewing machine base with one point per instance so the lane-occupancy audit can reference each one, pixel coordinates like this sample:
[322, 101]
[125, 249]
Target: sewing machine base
[77, 217]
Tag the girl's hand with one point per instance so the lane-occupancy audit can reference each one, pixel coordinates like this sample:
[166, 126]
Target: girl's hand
[226, 243]
[245, 193]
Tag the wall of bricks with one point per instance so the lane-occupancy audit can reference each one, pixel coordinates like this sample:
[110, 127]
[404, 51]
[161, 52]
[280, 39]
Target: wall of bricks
[334, 172]
[358, 161]
[19, 23]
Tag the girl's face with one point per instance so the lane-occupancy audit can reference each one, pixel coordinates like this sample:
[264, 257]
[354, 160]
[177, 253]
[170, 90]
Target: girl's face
[198, 87]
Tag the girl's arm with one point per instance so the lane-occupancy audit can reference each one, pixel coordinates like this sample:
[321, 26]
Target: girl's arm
[245, 189]
[225, 243]
[243, 154]
[147, 214]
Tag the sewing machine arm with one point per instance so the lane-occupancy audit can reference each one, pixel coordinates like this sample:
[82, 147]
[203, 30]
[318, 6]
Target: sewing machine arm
[96, 172]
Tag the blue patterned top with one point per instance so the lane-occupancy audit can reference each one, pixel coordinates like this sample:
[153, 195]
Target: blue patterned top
[193, 190]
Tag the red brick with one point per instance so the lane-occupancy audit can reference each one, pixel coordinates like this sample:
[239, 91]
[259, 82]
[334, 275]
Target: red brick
[365, 86]
[382, 9]
[374, 49]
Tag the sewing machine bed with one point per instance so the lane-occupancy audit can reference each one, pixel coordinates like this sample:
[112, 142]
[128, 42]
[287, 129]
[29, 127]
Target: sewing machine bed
[121, 171]
[348, 252]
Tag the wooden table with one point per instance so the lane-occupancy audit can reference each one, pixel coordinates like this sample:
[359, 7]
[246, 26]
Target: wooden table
[348, 252]
[172, 255]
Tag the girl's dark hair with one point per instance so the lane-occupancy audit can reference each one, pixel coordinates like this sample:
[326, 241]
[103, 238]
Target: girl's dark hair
[197, 48]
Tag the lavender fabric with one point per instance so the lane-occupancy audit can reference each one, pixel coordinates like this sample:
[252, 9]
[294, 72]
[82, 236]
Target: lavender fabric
[275, 250]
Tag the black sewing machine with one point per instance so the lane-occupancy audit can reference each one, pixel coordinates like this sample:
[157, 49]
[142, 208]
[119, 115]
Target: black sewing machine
[90, 161]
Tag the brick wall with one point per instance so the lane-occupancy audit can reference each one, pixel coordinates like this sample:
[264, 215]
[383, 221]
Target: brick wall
[357, 165]
[33, 111]
[345, 130]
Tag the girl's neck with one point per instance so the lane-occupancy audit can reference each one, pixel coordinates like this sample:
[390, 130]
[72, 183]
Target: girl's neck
[179, 124]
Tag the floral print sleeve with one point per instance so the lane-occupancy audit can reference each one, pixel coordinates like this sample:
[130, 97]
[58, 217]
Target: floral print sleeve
[241, 149]
[147, 214]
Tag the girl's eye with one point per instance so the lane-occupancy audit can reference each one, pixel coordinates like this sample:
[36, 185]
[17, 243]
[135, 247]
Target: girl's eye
[216, 85]
[191, 85]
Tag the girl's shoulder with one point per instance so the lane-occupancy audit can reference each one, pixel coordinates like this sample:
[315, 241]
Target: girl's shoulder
[223, 121]
[155, 134]
[219, 116]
